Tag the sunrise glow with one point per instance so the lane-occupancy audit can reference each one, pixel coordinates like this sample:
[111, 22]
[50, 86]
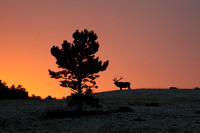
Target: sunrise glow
[150, 43]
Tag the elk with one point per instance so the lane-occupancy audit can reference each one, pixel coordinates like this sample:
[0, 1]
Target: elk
[121, 84]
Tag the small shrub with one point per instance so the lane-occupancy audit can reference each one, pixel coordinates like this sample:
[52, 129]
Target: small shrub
[58, 114]
[139, 119]
[198, 112]
[33, 97]
[173, 88]
[88, 99]
[152, 104]
[124, 109]
[49, 97]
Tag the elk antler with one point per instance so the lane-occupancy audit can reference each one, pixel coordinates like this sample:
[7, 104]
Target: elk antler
[115, 79]
[120, 78]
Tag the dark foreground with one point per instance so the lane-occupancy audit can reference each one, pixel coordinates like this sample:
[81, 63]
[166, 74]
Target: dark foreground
[151, 111]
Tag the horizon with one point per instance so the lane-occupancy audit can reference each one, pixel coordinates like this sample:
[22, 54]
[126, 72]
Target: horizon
[151, 43]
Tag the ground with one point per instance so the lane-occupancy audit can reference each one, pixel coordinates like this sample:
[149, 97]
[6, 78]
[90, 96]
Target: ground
[154, 111]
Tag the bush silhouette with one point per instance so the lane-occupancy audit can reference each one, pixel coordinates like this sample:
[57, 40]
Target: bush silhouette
[124, 109]
[34, 97]
[173, 88]
[86, 98]
[13, 92]
[49, 97]
[152, 104]
[4, 90]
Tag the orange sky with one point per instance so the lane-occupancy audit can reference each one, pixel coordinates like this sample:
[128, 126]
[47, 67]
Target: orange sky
[151, 43]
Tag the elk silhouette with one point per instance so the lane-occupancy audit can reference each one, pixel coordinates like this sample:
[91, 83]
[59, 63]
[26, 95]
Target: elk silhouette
[121, 84]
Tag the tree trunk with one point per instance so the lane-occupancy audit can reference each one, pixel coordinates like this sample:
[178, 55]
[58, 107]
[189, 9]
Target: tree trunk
[79, 95]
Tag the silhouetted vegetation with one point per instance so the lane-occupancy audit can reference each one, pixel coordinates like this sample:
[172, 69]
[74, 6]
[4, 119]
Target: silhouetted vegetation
[79, 65]
[198, 112]
[57, 114]
[173, 88]
[196, 88]
[13, 92]
[49, 97]
[152, 104]
[124, 109]
[86, 98]
[34, 97]
[139, 119]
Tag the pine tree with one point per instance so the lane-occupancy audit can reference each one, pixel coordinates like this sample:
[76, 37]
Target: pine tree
[79, 65]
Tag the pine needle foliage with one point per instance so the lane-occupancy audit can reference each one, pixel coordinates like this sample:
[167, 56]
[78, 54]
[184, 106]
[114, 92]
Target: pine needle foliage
[78, 63]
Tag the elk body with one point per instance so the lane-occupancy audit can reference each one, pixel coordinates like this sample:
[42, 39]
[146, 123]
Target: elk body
[121, 84]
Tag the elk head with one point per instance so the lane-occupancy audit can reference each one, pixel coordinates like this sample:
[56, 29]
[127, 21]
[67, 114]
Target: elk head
[116, 80]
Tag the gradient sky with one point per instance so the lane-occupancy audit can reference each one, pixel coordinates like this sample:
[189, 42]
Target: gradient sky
[150, 43]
